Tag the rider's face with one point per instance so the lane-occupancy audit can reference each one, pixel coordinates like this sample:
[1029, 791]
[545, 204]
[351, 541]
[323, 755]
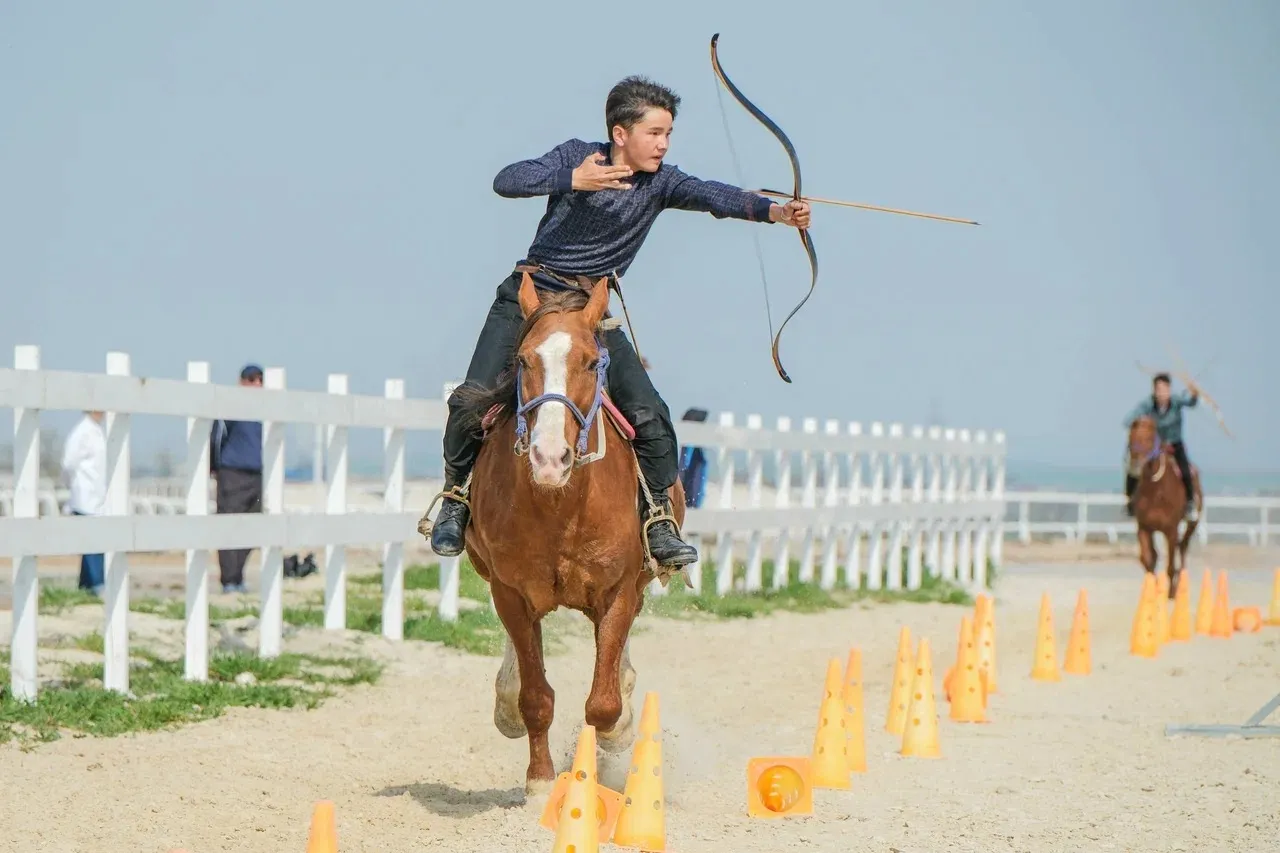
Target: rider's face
[1162, 393]
[646, 143]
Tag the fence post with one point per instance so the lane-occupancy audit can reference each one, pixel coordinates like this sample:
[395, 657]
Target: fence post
[830, 499]
[964, 569]
[982, 542]
[115, 634]
[393, 501]
[197, 628]
[876, 528]
[754, 579]
[809, 500]
[952, 467]
[893, 569]
[449, 566]
[853, 558]
[936, 460]
[24, 638]
[335, 556]
[915, 551]
[724, 539]
[271, 575]
[782, 501]
[997, 495]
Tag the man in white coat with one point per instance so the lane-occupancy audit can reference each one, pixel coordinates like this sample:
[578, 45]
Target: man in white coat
[84, 467]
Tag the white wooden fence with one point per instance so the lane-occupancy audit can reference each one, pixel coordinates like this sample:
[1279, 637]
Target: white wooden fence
[1079, 516]
[913, 499]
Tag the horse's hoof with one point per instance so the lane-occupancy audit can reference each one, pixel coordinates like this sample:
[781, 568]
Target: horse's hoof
[538, 787]
[623, 735]
[510, 724]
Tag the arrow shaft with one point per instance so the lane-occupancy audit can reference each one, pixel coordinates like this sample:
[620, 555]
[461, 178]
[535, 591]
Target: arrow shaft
[861, 206]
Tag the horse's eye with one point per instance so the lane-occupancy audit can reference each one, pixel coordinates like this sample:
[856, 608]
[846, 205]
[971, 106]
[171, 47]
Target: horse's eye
[593, 364]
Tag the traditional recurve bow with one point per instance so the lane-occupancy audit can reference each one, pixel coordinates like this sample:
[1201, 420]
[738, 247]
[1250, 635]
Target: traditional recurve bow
[805, 239]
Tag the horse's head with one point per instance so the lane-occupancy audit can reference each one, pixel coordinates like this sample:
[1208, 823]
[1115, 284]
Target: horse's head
[560, 378]
[1144, 443]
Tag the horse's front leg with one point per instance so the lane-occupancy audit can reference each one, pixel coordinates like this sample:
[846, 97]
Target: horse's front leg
[536, 698]
[1171, 564]
[1146, 550]
[608, 705]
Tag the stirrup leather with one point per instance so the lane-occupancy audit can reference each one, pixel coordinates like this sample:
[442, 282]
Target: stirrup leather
[457, 493]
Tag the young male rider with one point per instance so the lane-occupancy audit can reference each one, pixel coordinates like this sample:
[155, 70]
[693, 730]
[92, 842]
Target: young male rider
[1166, 411]
[602, 199]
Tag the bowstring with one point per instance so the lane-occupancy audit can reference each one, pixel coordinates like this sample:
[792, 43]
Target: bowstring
[755, 237]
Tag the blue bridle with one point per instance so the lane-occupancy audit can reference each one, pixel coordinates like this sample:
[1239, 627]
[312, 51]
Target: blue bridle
[585, 421]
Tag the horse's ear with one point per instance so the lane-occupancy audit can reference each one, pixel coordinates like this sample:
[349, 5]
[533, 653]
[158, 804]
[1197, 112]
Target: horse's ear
[597, 304]
[528, 295]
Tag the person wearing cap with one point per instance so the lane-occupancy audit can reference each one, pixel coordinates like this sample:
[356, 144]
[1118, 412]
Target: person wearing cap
[235, 459]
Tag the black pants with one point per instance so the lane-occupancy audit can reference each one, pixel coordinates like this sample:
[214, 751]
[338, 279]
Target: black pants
[1184, 465]
[238, 491]
[629, 388]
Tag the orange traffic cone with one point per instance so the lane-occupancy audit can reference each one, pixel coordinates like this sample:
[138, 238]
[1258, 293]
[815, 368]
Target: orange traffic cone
[966, 694]
[1273, 617]
[323, 837]
[1079, 661]
[984, 636]
[1181, 627]
[854, 726]
[1220, 626]
[830, 744]
[1045, 665]
[1204, 608]
[1143, 640]
[643, 820]
[578, 830]
[1162, 609]
[901, 693]
[920, 733]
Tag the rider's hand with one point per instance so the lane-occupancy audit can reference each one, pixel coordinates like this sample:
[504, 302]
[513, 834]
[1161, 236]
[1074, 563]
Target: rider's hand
[794, 213]
[591, 175]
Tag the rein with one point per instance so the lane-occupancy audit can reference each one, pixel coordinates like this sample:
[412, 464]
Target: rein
[585, 420]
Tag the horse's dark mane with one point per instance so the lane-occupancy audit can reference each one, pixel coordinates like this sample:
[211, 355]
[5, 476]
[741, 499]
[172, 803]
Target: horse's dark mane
[474, 402]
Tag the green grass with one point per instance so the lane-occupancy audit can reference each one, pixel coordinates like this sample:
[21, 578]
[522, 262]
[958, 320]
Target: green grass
[162, 698]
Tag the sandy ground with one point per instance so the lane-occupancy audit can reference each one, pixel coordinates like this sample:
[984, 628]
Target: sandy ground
[414, 763]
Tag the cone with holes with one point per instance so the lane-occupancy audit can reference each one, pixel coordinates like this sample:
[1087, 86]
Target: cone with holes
[608, 806]
[1079, 660]
[1045, 665]
[966, 693]
[578, 830]
[323, 837]
[920, 731]
[1204, 608]
[1273, 615]
[643, 823]
[1180, 629]
[854, 726]
[1220, 625]
[1162, 609]
[900, 696]
[984, 635]
[830, 746]
[1143, 638]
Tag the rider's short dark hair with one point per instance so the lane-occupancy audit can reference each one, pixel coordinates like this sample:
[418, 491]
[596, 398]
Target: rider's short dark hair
[631, 98]
[1161, 377]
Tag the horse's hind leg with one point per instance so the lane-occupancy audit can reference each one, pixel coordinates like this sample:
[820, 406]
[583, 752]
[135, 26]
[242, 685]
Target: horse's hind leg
[536, 698]
[608, 705]
[1176, 549]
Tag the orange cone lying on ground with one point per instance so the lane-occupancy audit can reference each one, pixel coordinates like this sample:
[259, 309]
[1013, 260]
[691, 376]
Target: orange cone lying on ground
[323, 837]
[1143, 640]
[642, 822]
[1079, 660]
[1220, 626]
[854, 725]
[830, 745]
[1045, 665]
[920, 731]
[1204, 608]
[966, 694]
[900, 695]
[1181, 628]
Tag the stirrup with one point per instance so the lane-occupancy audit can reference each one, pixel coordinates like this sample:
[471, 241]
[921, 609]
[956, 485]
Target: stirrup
[657, 513]
[456, 493]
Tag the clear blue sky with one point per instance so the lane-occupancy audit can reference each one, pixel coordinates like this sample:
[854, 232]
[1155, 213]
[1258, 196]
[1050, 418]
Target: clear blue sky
[309, 185]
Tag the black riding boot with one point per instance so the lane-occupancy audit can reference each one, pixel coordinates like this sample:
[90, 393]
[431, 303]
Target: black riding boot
[665, 543]
[449, 532]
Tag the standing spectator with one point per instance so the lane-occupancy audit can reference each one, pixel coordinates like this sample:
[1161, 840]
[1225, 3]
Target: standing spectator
[84, 467]
[235, 459]
[693, 465]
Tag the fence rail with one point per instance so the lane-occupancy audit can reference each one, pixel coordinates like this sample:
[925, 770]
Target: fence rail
[918, 500]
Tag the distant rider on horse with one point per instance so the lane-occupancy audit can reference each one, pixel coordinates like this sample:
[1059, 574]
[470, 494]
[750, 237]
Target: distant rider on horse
[1166, 410]
[602, 199]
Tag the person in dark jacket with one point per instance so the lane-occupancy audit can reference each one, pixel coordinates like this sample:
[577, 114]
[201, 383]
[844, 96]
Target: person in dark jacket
[693, 464]
[235, 459]
[1165, 409]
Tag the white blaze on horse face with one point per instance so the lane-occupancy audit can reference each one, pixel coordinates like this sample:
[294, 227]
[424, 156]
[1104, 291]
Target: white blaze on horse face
[549, 450]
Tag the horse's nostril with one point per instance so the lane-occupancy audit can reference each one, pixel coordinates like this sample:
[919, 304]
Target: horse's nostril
[566, 457]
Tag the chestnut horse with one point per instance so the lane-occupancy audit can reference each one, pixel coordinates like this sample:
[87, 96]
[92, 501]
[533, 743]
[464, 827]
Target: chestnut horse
[1159, 500]
[555, 517]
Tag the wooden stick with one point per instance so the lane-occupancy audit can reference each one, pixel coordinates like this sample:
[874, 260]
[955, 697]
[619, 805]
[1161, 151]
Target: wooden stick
[777, 194]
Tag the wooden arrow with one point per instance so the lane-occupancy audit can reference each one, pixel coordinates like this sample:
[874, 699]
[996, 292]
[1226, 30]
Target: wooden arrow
[859, 205]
